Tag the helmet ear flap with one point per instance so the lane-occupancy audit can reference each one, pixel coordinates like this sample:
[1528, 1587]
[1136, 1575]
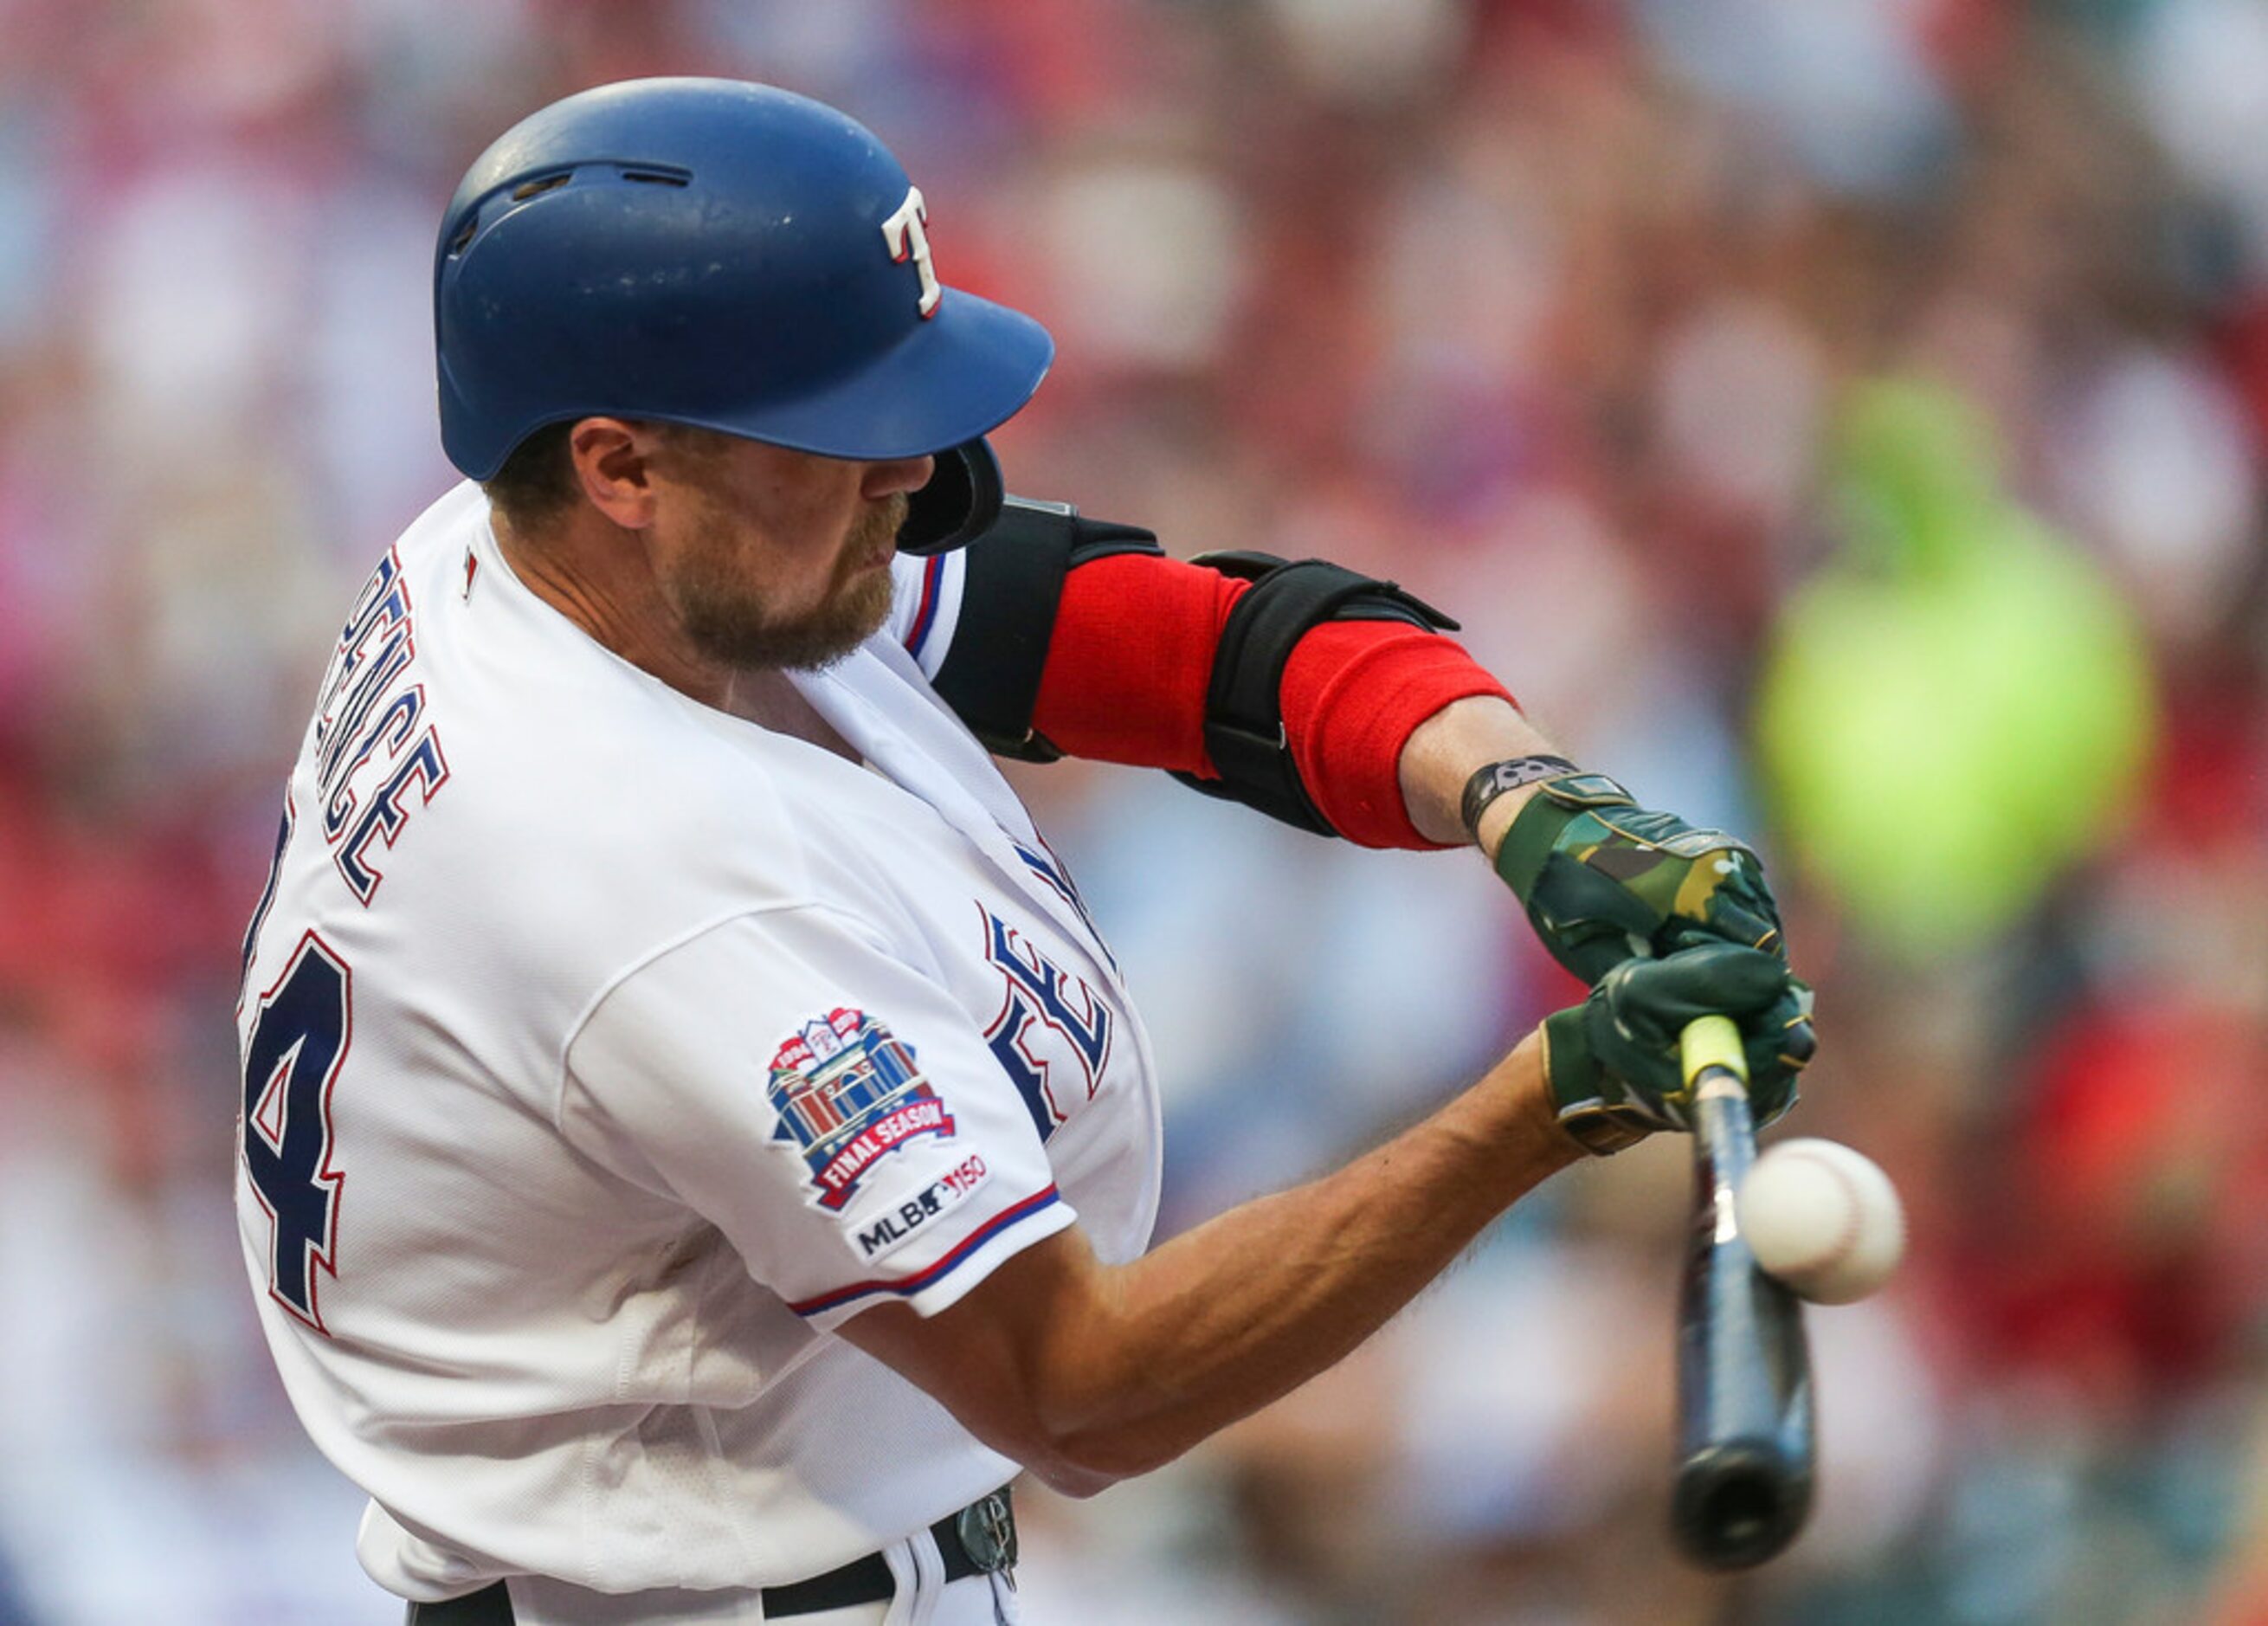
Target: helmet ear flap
[960, 503]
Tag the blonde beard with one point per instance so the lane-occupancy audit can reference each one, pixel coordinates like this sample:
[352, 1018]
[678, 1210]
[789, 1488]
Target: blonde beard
[725, 617]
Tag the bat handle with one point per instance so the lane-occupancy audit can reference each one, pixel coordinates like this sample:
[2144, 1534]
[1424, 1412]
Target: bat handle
[1709, 1049]
[1744, 1475]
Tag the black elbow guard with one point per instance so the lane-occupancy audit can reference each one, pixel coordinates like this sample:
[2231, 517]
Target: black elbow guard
[1244, 730]
[1013, 586]
[1012, 590]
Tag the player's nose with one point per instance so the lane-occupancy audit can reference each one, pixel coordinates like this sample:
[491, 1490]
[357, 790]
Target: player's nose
[899, 474]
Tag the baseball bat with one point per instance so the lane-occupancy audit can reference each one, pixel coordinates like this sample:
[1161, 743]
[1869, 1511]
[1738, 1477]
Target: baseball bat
[1744, 1412]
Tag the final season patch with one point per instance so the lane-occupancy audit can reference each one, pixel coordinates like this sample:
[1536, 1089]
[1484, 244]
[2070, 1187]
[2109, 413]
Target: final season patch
[847, 1092]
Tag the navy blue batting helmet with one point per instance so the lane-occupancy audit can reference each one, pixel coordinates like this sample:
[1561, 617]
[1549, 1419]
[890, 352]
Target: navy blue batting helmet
[720, 253]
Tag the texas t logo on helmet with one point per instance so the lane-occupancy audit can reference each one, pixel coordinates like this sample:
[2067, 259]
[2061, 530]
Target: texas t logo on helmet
[907, 231]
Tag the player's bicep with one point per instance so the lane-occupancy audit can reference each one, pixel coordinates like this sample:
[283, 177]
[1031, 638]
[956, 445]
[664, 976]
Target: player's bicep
[832, 1111]
[1017, 1360]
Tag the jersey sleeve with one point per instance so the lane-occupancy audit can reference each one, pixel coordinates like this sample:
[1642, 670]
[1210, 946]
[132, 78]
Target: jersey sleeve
[826, 1106]
[926, 605]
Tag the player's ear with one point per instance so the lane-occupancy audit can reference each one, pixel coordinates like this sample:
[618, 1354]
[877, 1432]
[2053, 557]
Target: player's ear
[613, 462]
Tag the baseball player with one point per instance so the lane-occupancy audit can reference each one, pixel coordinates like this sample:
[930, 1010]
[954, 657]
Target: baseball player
[695, 1149]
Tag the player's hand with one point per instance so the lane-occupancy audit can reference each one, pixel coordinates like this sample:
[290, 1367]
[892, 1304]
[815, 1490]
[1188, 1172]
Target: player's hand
[1613, 1060]
[1602, 879]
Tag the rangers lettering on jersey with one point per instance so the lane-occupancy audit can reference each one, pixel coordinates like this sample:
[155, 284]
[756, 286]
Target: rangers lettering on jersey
[1052, 1034]
[848, 1092]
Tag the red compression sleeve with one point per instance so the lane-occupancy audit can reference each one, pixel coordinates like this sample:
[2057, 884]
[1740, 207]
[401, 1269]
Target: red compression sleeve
[1132, 657]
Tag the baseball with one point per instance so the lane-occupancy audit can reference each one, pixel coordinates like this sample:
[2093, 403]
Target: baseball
[1824, 1219]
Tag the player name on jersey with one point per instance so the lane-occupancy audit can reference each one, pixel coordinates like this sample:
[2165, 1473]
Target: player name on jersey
[368, 702]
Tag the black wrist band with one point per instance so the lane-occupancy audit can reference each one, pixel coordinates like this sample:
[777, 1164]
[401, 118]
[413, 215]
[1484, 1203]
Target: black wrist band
[1488, 783]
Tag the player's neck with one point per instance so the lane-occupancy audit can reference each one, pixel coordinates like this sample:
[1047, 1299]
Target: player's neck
[617, 611]
[632, 625]
[769, 700]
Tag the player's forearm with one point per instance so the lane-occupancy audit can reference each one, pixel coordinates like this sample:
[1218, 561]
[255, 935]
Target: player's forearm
[1238, 1312]
[1447, 749]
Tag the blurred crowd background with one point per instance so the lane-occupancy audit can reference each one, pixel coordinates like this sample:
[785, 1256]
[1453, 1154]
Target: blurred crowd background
[1844, 420]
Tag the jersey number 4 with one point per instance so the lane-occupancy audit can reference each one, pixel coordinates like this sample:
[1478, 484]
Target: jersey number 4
[299, 1036]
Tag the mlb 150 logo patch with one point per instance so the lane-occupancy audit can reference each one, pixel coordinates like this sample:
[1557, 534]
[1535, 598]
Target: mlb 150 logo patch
[847, 1092]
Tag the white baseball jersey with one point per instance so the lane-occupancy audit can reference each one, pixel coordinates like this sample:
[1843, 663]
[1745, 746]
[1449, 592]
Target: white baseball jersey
[602, 1051]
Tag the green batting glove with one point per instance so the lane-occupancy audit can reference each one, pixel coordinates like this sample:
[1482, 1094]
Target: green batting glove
[1602, 879]
[1614, 1061]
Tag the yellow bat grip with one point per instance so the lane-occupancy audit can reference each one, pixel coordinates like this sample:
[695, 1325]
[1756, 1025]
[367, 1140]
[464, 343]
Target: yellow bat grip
[1711, 1041]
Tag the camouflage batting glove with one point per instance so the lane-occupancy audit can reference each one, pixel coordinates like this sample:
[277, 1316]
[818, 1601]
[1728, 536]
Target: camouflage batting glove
[1613, 1060]
[1602, 879]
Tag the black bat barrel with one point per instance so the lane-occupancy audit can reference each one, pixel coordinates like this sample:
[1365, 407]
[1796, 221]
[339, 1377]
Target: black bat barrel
[1744, 1453]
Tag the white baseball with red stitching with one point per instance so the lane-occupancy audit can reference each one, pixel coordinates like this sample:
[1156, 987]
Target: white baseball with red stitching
[1822, 1218]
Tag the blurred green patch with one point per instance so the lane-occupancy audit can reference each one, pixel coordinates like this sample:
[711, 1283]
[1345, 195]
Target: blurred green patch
[1958, 707]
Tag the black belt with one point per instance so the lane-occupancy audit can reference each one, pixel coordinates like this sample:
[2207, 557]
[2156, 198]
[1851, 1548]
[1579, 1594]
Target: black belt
[979, 1540]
